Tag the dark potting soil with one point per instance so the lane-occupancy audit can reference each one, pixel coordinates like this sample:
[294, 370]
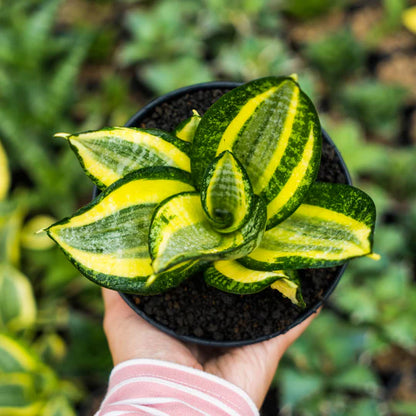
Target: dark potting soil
[196, 310]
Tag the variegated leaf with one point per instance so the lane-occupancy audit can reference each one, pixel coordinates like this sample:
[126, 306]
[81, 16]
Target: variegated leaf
[186, 130]
[334, 223]
[17, 303]
[19, 396]
[272, 128]
[108, 239]
[226, 194]
[107, 155]
[231, 276]
[31, 239]
[14, 357]
[289, 287]
[180, 231]
[11, 218]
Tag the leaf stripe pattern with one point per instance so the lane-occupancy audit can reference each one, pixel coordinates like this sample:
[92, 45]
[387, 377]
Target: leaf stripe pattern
[231, 276]
[226, 194]
[233, 130]
[86, 239]
[279, 207]
[335, 223]
[108, 239]
[272, 128]
[107, 155]
[277, 155]
[180, 231]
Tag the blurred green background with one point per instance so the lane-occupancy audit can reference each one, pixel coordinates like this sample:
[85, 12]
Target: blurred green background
[83, 64]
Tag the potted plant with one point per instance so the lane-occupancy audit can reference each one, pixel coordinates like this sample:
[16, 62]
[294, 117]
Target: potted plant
[214, 227]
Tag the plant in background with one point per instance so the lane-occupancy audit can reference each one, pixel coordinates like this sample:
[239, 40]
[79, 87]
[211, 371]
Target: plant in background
[375, 104]
[336, 56]
[28, 386]
[236, 196]
[175, 42]
[304, 10]
[324, 366]
[43, 65]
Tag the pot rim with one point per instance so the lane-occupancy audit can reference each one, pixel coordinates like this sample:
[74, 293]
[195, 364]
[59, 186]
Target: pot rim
[134, 121]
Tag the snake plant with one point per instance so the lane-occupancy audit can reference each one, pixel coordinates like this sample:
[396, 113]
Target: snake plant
[231, 194]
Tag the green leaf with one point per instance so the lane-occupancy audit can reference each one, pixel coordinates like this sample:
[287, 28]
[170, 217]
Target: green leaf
[359, 302]
[310, 9]
[361, 157]
[180, 231]
[400, 330]
[253, 56]
[272, 128]
[299, 386]
[179, 72]
[336, 55]
[161, 33]
[334, 223]
[107, 155]
[186, 130]
[40, 26]
[66, 74]
[17, 303]
[356, 378]
[108, 239]
[375, 104]
[226, 194]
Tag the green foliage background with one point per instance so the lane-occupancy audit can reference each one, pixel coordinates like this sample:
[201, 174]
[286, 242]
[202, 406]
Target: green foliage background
[83, 64]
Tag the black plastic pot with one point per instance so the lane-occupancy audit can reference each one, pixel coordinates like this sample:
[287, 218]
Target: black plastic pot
[143, 118]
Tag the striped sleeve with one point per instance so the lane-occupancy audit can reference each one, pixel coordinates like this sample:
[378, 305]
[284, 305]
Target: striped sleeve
[143, 387]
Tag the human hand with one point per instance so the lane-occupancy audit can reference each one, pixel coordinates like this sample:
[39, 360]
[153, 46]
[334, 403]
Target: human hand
[251, 367]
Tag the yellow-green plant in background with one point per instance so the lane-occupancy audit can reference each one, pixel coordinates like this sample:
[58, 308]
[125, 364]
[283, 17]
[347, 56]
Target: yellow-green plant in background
[28, 387]
[17, 303]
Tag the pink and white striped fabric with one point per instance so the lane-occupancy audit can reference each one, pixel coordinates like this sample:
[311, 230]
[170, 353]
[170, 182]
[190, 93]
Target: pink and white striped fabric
[143, 387]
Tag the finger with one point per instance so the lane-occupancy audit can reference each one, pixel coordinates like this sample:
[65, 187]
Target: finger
[122, 326]
[114, 305]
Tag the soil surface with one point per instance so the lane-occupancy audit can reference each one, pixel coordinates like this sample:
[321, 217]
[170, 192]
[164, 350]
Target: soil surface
[199, 311]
